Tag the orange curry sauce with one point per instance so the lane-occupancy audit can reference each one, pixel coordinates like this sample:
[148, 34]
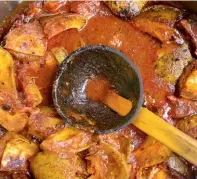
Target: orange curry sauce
[106, 29]
[102, 28]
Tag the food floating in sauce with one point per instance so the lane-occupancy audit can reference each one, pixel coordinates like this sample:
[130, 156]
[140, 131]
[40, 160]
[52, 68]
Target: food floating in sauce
[99, 89]
[157, 37]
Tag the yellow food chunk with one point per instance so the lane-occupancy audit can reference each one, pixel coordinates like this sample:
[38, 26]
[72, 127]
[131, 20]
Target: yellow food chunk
[189, 126]
[157, 30]
[27, 39]
[17, 151]
[60, 53]
[119, 142]
[53, 166]
[15, 122]
[60, 23]
[189, 86]
[152, 152]
[191, 82]
[68, 139]
[7, 80]
[44, 122]
[33, 95]
[107, 162]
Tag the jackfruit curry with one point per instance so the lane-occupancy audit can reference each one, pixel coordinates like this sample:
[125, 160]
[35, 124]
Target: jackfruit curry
[35, 143]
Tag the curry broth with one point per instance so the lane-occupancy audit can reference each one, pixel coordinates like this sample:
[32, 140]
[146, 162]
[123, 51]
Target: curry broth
[131, 147]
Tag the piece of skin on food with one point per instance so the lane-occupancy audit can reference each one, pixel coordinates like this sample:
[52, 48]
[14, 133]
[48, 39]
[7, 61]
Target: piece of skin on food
[180, 107]
[106, 162]
[27, 39]
[69, 139]
[48, 165]
[43, 122]
[157, 30]
[7, 80]
[4, 140]
[189, 126]
[24, 57]
[16, 153]
[56, 24]
[187, 84]
[162, 14]
[151, 153]
[125, 9]
[158, 21]
[190, 26]
[171, 60]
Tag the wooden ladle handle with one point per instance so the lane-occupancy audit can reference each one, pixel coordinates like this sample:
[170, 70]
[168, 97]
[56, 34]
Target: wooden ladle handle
[117, 103]
[173, 138]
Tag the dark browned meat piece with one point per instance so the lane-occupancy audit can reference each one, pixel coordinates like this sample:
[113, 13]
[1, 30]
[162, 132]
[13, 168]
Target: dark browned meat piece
[172, 59]
[189, 126]
[190, 26]
[182, 107]
[158, 21]
[126, 9]
[187, 84]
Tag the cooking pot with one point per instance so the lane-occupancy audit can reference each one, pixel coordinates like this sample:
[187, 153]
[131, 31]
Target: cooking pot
[8, 10]
[13, 7]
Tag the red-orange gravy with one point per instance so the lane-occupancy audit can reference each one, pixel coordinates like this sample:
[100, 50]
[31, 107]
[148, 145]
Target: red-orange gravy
[97, 89]
[106, 29]
[118, 34]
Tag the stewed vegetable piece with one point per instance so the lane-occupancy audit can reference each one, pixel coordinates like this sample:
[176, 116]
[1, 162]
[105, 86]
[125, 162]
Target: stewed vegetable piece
[27, 39]
[126, 9]
[188, 82]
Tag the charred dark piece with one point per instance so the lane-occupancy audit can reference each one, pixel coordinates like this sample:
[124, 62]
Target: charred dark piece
[126, 9]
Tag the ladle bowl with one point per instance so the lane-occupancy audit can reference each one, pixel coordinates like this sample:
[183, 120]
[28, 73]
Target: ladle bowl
[70, 96]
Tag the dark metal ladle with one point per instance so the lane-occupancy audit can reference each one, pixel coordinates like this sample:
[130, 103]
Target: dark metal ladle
[72, 104]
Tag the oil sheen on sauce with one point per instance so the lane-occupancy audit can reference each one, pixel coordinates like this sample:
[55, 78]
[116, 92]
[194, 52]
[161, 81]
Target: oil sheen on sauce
[137, 46]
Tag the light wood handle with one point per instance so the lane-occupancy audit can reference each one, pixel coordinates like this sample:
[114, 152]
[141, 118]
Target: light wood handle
[117, 103]
[173, 138]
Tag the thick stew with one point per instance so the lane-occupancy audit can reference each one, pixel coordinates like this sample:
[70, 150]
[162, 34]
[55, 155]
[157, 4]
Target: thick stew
[35, 143]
